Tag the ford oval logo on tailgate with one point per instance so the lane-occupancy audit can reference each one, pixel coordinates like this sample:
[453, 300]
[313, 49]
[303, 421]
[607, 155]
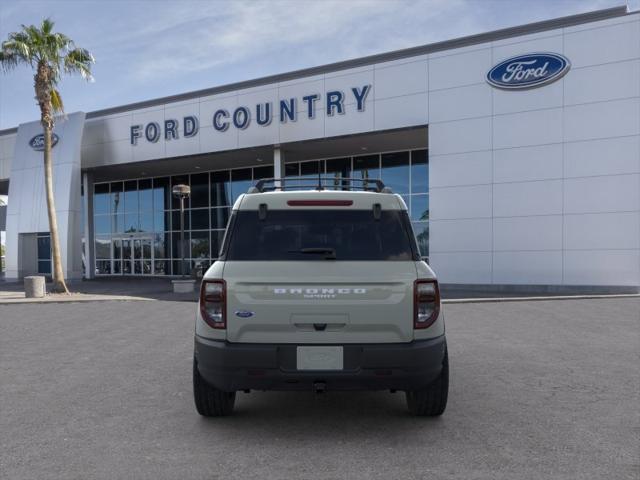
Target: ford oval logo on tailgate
[37, 142]
[244, 313]
[528, 71]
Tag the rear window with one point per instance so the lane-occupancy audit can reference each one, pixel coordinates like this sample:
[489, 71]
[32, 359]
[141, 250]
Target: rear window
[320, 235]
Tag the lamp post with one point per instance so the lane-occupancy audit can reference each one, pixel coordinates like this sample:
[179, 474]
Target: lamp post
[182, 192]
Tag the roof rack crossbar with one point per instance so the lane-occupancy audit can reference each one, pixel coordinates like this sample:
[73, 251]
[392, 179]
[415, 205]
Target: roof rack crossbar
[319, 183]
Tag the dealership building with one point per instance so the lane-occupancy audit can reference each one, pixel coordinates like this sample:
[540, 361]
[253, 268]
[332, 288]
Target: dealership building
[516, 151]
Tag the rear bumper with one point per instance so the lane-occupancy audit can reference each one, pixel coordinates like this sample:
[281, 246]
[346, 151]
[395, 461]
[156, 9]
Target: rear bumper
[396, 366]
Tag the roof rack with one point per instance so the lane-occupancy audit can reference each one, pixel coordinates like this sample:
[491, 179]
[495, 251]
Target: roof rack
[319, 183]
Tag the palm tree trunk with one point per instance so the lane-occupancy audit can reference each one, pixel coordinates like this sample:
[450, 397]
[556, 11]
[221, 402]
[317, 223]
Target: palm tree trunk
[59, 284]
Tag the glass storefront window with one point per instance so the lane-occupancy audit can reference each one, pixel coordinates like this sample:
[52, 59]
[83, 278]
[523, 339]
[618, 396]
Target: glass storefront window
[311, 169]
[216, 242]
[145, 195]
[117, 248]
[102, 224]
[200, 190]
[131, 223]
[101, 198]
[160, 245]
[103, 267]
[131, 196]
[419, 171]
[200, 219]
[220, 189]
[162, 267]
[160, 221]
[420, 207]
[161, 194]
[395, 171]
[117, 223]
[44, 246]
[175, 220]
[144, 213]
[339, 168]
[181, 268]
[176, 252]
[117, 198]
[421, 230]
[200, 245]
[366, 167]
[219, 217]
[292, 170]
[241, 180]
[43, 241]
[262, 172]
[103, 247]
[146, 221]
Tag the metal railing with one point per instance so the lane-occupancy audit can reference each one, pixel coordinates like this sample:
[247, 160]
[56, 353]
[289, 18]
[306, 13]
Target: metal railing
[319, 183]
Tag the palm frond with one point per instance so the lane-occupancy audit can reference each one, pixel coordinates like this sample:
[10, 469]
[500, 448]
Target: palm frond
[8, 60]
[56, 101]
[47, 26]
[79, 60]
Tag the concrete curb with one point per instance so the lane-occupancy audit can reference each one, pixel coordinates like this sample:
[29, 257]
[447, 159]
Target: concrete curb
[537, 299]
[74, 299]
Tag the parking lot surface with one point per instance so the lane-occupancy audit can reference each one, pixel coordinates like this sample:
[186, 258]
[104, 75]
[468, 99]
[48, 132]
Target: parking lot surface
[544, 389]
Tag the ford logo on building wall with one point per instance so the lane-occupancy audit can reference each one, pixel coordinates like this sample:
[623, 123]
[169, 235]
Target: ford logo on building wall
[37, 142]
[528, 71]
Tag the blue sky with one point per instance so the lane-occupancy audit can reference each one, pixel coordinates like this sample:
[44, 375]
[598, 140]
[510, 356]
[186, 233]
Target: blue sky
[151, 48]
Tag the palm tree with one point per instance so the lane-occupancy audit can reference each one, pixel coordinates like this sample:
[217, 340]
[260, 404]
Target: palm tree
[50, 55]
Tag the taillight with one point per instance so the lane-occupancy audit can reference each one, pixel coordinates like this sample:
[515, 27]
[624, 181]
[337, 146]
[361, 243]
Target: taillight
[213, 300]
[426, 303]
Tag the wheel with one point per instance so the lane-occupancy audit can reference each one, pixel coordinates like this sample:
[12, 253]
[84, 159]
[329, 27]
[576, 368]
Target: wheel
[431, 401]
[210, 402]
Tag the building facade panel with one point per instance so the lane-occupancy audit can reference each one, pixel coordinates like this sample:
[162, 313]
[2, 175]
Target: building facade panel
[602, 231]
[534, 232]
[457, 169]
[463, 267]
[466, 235]
[400, 80]
[528, 268]
[609, 156]
[537, 127]
[603, 44]
[447, 203]
[458, 103]
[540, 162]
[543, 197]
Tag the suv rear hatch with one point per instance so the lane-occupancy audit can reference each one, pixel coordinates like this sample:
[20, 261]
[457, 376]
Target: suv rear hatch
[320, 275]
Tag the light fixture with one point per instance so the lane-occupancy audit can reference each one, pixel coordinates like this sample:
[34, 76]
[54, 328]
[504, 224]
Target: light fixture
[258, 159]
[364, 148]
[197, 167]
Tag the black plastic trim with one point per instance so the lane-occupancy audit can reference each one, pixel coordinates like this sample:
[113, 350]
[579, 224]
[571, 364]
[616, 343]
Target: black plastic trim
[250, 366]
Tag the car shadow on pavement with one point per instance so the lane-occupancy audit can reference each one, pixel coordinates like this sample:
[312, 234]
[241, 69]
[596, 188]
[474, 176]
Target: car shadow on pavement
[295, 414]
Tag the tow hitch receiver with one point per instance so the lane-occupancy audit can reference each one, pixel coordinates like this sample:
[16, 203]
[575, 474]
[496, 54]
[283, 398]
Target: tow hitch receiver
[319, 387]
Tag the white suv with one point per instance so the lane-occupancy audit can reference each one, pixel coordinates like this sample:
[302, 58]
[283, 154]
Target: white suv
[320, 289]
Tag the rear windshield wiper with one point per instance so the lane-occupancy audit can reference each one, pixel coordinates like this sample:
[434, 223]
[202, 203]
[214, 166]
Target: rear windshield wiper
[330, 253]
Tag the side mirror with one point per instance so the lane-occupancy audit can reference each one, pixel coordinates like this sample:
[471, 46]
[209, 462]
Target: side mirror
[424, 258]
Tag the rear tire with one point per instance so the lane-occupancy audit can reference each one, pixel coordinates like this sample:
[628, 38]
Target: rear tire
[210, 402]
[431, 401]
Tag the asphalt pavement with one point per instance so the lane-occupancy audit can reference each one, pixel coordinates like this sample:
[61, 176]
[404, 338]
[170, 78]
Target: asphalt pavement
[539, 390]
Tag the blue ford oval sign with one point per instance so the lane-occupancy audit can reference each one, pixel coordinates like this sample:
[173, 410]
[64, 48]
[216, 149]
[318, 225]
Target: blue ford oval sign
[37, 142]
[528, 71]
[244, 313]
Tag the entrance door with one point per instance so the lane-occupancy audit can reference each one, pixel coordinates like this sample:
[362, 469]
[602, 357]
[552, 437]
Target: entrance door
[136, 255]
[142, 261]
